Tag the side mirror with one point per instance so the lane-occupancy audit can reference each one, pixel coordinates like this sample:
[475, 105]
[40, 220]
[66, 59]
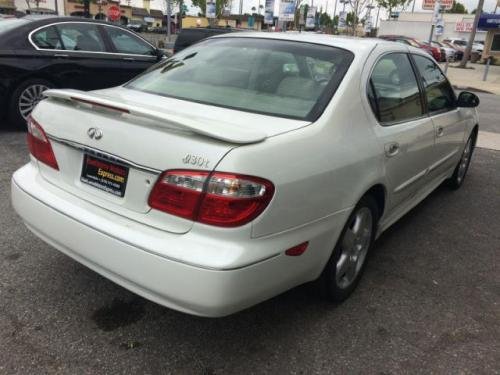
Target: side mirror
[160, 54]
[467, 99]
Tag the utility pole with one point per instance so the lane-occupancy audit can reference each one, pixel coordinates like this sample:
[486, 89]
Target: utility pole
[468, 49]
[435, 17]
[169, 20]
[56, 7]
[335, 11]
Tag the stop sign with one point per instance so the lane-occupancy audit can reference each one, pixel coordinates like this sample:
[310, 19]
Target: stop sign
[114, 13]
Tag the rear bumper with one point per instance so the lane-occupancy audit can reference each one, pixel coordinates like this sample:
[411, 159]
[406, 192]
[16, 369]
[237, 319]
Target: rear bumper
[176, 284]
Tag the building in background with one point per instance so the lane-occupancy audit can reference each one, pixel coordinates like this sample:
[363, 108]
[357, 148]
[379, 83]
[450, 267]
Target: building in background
[491, 24]
[418, 25]
[40, 6]
[7, 7]
[98, 10]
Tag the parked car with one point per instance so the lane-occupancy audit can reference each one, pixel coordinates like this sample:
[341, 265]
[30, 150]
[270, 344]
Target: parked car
[458, 51]
[138, 27]
[243, 166]
[190, 36]
[42, 52]
[431, 50]
[442, 51]
[462, 44]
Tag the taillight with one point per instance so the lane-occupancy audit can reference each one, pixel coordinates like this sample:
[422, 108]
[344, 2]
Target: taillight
[220, 199]
[39, 144]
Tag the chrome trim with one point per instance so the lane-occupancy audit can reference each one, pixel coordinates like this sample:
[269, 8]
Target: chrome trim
[95, 52]
[443, 160]
[97, 152]
[412, 180]
[31, 227]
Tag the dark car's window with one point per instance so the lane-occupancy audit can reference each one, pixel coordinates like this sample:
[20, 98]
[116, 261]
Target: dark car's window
[393, 92]
[440, 95]
[47, 38]
[126, 42]
[251, 74]
[81, 37]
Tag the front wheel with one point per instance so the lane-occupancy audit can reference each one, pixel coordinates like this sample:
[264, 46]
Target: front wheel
[457, 179]
[345, 267]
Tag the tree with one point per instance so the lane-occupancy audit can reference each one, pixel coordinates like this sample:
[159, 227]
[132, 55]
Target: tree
[458, 8]
[219, 5]
[390, 5]
[357, 6]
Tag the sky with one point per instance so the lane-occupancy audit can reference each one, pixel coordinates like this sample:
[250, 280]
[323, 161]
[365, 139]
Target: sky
[328, 5]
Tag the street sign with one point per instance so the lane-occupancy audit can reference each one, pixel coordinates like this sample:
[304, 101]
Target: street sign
[210, 13]
[311, 18]
[439, 30]
[342, 20]
[114, 13]
[269, 12]
[429, 4]
[287, 10]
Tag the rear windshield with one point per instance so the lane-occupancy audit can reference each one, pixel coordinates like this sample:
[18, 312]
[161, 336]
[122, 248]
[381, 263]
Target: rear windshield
[274, 77]
[9, 24]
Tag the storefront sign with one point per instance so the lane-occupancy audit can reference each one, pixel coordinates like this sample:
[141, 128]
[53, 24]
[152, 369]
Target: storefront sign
[489, 21]
[342, 20]
[429, 4]
[464, 26]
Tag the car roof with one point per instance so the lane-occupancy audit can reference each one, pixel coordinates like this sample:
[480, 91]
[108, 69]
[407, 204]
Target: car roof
[352, 44]
[46, 19]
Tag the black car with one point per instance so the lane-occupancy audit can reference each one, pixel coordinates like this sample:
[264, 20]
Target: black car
[41, 52]
[190, 36]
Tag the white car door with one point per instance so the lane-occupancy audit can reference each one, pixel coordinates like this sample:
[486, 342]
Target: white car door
[404, 129]
[449, 121]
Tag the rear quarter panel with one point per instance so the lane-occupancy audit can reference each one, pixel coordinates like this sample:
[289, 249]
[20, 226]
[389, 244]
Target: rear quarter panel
[318, 170]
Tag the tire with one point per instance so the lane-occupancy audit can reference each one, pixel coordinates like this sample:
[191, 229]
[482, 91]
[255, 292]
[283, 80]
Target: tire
[458, 177]
[24, 98]
[338, 282]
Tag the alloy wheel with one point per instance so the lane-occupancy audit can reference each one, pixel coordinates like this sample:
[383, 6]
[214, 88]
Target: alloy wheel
[464, 161]
[29, 98]
[354, 247]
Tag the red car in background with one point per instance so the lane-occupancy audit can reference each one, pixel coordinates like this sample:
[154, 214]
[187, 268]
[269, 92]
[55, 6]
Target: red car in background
[431, 50]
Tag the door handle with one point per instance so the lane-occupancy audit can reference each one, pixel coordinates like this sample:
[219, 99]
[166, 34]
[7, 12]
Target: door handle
[391, 149]
[128, 59]
[439, 131]
[60, 55]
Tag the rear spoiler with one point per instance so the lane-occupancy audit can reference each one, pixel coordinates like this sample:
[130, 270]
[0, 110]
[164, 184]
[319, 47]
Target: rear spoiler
[214, 129]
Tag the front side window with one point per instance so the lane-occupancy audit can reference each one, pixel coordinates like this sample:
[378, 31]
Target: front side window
[495, 45]
[47, 38]
[126, 42]
[81, 37]
[393, 90]
[280, 78]
[438, 91]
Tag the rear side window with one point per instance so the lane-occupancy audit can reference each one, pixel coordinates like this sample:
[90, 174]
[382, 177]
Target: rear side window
[438, 91]
[47, 38]
[126, 42]
[81, 37]
[393, 90]
[280, 78]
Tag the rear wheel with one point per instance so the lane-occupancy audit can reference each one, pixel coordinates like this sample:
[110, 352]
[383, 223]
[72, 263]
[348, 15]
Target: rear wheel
[458, 177]
[345, 267]
[24, 99]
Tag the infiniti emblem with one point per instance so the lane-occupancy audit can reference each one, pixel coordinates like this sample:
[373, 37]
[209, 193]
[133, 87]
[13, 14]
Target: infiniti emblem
[94, 133]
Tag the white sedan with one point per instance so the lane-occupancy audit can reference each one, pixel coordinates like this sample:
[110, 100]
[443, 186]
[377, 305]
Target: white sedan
[243, 166]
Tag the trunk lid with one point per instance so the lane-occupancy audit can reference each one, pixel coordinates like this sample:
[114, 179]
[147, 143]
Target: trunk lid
[145, 134]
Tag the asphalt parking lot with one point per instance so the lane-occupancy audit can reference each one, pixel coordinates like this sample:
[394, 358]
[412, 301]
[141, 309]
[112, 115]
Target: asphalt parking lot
[429, 301]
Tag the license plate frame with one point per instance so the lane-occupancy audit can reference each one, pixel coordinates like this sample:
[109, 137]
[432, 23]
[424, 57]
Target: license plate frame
[104, 174]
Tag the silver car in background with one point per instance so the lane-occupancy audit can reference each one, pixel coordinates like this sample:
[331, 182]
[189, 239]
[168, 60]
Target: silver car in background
[244, 165]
